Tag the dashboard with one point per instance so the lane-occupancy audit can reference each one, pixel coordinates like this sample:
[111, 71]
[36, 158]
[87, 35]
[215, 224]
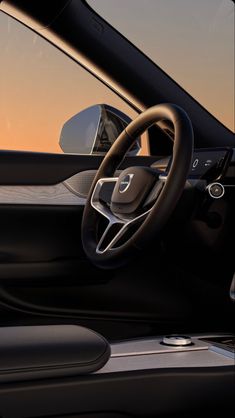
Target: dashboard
[217, 168]
[210, 164]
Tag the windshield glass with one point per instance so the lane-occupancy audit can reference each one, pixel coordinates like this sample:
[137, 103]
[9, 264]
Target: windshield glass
[192, 41]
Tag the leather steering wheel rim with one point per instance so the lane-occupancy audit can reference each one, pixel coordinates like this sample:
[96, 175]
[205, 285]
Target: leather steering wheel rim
[168, 198]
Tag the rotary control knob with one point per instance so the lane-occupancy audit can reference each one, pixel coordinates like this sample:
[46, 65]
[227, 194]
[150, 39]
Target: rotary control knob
[215, 190]
[177, 340]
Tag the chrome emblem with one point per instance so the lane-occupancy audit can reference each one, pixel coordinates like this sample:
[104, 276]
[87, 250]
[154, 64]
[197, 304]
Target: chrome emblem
[125, 183]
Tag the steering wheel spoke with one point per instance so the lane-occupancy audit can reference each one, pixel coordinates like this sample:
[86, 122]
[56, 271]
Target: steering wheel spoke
[116, 230]
[117, 226]
[96, 202]
[111, 235]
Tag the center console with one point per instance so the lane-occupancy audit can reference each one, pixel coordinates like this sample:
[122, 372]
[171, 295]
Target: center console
[66, 371]
[145, 354]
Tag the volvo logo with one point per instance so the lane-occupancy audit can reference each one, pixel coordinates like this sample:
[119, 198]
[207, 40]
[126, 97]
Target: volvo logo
[125, 183]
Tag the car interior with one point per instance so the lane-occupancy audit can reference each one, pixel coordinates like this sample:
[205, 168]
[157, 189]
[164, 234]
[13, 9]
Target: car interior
[117, 273]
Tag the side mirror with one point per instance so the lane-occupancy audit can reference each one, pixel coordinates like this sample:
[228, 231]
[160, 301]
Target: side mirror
[94, 130]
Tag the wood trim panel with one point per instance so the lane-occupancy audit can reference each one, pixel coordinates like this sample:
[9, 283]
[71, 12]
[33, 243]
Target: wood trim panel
[57, 194]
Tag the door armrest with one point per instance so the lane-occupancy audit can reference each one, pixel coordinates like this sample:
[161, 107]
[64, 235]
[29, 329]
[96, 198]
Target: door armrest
[36, 352]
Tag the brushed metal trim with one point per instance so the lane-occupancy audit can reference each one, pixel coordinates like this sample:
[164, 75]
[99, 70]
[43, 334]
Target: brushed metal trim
[149, 354]
[149, 346]
[197, 359]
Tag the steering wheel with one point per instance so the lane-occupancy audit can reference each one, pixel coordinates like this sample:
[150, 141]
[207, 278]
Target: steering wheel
[141, 201]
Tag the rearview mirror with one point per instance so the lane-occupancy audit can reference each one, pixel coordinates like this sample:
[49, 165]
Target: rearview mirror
[94, 130]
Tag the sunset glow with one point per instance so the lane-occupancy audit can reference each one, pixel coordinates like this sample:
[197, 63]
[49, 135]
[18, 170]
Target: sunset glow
[41, 88]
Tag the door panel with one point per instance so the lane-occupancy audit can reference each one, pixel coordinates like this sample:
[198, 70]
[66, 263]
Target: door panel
[36, 168]
[41, 215]
[44, 272]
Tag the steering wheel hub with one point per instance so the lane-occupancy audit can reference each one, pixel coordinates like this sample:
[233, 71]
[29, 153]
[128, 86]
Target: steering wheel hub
[131, 189]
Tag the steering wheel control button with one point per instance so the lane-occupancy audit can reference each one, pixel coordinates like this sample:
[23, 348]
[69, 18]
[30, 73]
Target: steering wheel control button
[215, 190]
[177, 340]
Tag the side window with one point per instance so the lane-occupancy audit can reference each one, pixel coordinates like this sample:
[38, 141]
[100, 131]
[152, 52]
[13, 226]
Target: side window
[41, 89]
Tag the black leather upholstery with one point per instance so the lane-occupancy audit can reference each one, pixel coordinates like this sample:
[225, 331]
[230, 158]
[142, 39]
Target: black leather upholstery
[48, 351]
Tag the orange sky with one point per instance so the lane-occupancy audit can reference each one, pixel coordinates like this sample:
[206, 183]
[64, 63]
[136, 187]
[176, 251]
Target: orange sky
[40, 87]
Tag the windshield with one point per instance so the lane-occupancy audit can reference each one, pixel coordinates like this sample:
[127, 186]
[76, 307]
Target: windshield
[192, 41]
